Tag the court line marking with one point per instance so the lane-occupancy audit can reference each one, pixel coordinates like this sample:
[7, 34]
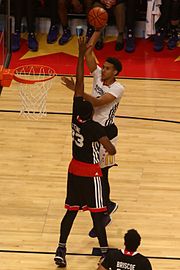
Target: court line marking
[117, 116]
[76, 254]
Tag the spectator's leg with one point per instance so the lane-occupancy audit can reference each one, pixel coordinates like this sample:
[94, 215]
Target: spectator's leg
[161, 25]
[63, 16]
[18, 13]
[54, 28]
[90, 29]
[130, 24]
[119, 12]
[30, 14]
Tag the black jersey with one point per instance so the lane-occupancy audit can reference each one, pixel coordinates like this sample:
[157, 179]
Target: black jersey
[117, 260]
[85, 135]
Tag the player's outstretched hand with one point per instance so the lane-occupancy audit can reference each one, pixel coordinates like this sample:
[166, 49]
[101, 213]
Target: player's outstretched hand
[69, 83]
[82, 45]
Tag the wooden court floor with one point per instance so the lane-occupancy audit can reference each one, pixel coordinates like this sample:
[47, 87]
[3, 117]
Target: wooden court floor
[34, 156]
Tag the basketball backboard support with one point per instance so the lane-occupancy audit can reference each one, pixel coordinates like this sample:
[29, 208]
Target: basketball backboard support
[5, 35]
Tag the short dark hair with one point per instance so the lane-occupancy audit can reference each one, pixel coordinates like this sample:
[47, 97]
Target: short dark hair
[85, 110]
[116, 63]
[132, 240]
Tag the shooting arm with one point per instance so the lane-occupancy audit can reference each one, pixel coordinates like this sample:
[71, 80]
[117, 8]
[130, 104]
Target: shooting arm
[103, 100]
[90, 58]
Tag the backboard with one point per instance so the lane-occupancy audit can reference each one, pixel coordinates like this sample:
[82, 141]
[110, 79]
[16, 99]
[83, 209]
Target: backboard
[5, 34]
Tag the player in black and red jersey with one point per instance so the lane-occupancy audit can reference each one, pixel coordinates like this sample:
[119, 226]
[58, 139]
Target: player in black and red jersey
[128, 258]
[84, 186]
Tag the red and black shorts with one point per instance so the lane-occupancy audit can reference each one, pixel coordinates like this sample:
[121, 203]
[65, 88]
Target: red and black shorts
[85, 193]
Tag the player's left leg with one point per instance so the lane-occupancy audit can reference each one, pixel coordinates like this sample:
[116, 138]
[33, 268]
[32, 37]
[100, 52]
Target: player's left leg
[100, 230]
[119, 12]
[111, 206]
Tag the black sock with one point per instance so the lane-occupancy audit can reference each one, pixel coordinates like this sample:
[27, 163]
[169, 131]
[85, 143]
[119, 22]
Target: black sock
[66, 225]
[62, 245]
[106, 185]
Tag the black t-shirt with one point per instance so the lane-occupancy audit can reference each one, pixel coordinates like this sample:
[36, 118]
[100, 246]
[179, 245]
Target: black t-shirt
[85, 135]
[117, 260]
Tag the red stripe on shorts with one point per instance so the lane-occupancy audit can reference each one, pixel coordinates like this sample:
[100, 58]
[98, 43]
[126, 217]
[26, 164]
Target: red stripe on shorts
[80, 168]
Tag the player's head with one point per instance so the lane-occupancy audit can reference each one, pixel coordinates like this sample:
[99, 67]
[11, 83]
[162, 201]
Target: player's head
[132, 240]
[111, 68]
[86, 110]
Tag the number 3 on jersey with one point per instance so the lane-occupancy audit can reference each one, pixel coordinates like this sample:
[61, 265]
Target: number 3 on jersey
[77, 138]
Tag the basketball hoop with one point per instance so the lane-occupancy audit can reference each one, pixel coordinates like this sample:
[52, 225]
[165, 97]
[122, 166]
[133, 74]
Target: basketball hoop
[34, 81]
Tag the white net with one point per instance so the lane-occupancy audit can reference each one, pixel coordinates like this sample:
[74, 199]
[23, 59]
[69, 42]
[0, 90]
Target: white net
[34, 83]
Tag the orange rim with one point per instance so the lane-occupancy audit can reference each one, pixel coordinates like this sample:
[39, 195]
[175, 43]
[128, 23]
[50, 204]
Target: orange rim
[29, 70]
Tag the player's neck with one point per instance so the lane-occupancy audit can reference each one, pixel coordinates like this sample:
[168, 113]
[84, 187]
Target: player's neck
[129, 253]
[108, 82]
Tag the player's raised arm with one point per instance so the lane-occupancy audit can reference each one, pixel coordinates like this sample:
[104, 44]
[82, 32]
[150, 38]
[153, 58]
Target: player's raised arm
[79, 86]
[90, 58]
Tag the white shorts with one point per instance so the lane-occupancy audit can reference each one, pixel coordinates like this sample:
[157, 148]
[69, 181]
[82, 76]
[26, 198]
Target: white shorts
[107, 160]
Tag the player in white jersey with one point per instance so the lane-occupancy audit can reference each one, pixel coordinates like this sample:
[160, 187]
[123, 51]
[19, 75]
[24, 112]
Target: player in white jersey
[105, 98]
[106, 95]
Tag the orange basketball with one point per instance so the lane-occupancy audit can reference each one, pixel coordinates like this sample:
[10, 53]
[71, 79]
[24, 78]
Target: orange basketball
[98, 17]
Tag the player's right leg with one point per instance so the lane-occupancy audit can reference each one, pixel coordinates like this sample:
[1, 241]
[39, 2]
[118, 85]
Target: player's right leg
[65, 228]
[71, 204]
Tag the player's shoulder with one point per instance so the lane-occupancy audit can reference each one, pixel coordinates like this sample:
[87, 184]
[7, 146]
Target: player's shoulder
[92, 124]
[97, 71]
[144, 260]
[93, 128]
[96, 124]
[112, 252]
[116, 89]
[119, 85]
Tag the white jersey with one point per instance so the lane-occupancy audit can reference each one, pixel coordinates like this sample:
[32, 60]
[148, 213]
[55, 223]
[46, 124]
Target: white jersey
[105, 114]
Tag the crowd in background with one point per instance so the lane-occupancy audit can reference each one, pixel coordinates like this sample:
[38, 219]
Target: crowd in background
[162, 20]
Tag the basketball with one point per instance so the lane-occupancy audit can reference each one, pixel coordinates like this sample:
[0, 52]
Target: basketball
[97, 17]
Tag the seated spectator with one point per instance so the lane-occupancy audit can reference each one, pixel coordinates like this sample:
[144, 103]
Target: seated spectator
[127, 258]
[65, 7]
[29, 7]
[170, 14]
[174, 22]
[115, 8]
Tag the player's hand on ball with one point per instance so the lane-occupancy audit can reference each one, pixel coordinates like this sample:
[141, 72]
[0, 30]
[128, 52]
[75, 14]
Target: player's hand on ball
[98, 17]
[69, 83]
